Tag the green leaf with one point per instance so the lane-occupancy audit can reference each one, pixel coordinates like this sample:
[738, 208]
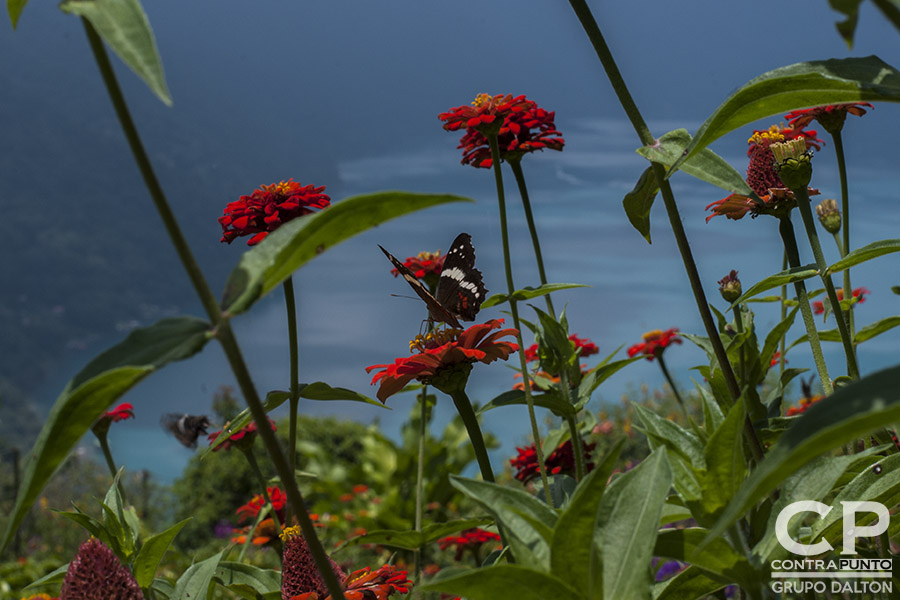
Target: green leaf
[413, 540]
[774, 338]
[500, 581]
[664, 432]
[849, 413]
[876, 328]
[240, 574]
[593, 378]
[194, 583]
[572, 549]
[322, 391]
[718, 559]
[639, 201]
[152, 551]
[847, 27]
[273, 400]
[554, 402]
[628, 517]
[53, 578]
[706, 165]
[861, 255]
[690, 584]
[800, 85]
[777, 280]
[528, 292]
[294, 244]
[92, 525]
[15, 8]
[725, 465]
[527, 521]
[123, 25]
[91, 392]
[891, 11]
[674, 512]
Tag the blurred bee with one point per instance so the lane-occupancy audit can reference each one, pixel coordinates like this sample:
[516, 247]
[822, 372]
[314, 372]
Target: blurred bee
[185, 428]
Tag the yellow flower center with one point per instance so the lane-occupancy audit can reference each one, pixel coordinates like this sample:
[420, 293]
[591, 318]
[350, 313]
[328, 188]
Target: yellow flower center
[650, 335]
[282, 187]
[433, 339]
[425, 255]
[772, 135]
[290, 532]
[481, 100]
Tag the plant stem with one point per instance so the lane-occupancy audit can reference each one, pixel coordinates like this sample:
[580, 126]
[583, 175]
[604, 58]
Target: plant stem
[514, 309]
[809, 223]
[844, 247]
[516, 166]
[107, 454]
[668, 376]
[583, 12]
[467, 414]
[293, 334]
[208, 299]
[782, 348]
[577, 447]
[420, 482]
[786, 229]
[739, 325]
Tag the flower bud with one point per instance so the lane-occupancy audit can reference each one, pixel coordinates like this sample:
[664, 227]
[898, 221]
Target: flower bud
[730, 287]
[793, 163]
[829, 215]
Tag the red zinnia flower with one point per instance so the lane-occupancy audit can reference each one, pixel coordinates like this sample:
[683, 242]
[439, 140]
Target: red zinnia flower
[472, 345]
[560, 461]
[470, 539]
[776, 358]
[522, 132]
[859, 294]
[264, 533]
[243, 438]
[485, 110]
[268, 207]
[366, 584]
[803, 405]
[256, 504]
[655, 342]
[830, 117]
[119, 413]
[762, 178]
[96, 574]
[583, 346]
[426, 266]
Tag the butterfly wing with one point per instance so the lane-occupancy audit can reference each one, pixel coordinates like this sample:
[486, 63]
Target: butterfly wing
[435, 309]
[460, 289]
[185, 428]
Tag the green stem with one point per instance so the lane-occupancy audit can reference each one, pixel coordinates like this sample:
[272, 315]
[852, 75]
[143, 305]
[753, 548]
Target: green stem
[845, 224]
[739, 325]
[514, 309]
[208, 299]
[577, 447]
[107, 454]
[809, 223]
[786, 229]
[420, 482]
[668, 376]
[583, 12]
[470, 420]
[293, 334]
[516, 165]
[782, 344]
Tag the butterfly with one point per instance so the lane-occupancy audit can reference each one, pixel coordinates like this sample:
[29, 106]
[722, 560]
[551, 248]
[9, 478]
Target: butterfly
[185, 428]
[460, 290]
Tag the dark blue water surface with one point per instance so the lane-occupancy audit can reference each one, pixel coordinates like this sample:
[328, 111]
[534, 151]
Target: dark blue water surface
[347, 97]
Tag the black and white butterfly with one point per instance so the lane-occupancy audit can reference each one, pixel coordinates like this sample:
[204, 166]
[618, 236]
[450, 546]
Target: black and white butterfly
[185, 428]
[460, 290]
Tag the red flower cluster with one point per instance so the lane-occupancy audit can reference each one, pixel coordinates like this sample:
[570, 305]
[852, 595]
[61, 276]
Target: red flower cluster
[426, 266]
[301, 579]
[243, 438]
[831, 117]
[859, 295]
[268, 207]
[560, 461]
[266, 531]
[472, 345]
[119, 413]
[96, 574]
[655, 342]
[251, 509]
[485, 110]
[761, 176]
[470, 539]
[803, 405]
[583, 347]
[521, 133]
